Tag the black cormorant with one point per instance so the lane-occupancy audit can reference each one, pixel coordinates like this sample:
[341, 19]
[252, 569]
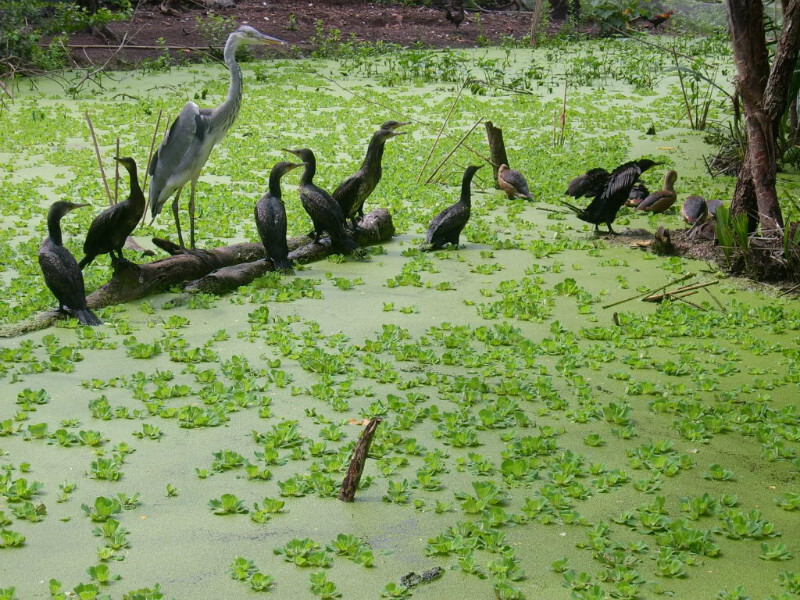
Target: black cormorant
[609, 190]
[325, 212]
[111, 228]
[446, 227]
[61, 273]
[354, 190]
[662, 199]
[512, 183]
[270, 216]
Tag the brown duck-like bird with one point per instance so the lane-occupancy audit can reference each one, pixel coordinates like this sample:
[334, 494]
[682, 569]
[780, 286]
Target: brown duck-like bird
[325, 212]
[608, 190]
[446, 227]
[353, 191]
[694, 210]
[512, 183]
[111, 228]
[661, 200]
[61, 273]
[270, 214]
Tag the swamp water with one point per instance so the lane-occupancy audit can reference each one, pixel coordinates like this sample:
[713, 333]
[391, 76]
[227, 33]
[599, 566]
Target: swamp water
[533, 441]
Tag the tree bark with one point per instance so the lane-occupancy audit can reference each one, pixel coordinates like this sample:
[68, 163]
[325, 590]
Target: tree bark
[764, 95]
[133, 282]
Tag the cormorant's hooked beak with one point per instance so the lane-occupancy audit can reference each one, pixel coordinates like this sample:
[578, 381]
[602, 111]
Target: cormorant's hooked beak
[81, 205]
[295, 152]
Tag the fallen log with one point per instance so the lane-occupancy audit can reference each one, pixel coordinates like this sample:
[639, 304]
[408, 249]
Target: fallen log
[374, 228]
[132, 282]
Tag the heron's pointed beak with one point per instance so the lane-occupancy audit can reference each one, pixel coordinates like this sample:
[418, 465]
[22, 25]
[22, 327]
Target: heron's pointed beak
[268, 40]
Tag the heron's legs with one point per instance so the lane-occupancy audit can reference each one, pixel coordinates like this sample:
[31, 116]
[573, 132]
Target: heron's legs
[175, 208]
[191, 213]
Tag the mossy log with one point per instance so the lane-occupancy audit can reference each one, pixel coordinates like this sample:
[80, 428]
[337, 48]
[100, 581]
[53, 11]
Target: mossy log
[374, 228]
[239, 263]
[358, 459]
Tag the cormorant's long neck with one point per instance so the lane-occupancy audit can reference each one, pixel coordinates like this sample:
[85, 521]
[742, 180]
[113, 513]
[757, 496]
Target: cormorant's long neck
[374, 152]
[54, 226]
[309, 171]
[466, 182]
[136, 197]
[225, 114]
[275, 185]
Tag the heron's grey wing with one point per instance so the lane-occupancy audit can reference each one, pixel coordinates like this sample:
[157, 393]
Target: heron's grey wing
[177, 141]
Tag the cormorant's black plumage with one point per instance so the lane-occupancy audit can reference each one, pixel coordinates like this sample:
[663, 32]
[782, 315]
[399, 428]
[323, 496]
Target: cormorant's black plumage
[61, 273]
[111, 228]
[270, 216]
[609, 190]
[446, 227]
[353, 191]
[325, 212]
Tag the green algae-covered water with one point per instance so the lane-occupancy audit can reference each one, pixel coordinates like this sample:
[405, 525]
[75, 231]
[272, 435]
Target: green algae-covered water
[536, 441]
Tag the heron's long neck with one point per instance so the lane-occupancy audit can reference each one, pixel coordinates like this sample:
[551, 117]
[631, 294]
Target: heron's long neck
[54, 227]
[225, 114]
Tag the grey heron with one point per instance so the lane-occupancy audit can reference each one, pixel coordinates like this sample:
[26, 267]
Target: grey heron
[191, 137]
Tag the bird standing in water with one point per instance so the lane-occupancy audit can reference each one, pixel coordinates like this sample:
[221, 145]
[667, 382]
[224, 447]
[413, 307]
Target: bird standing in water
[111, 228]
[325, 212]
[608, 190]
[512, 183]
[191, 137]
[353, 191]
[270, 216]
[446, 227]
[662, 199]
[61, 273]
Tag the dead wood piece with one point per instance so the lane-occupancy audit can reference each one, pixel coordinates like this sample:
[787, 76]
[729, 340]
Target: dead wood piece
[374, 228]
[357, 461]
[662, 243]
[497, 149]
[686, 290]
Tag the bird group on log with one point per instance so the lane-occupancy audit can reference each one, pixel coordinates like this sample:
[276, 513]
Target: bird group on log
[609, 191]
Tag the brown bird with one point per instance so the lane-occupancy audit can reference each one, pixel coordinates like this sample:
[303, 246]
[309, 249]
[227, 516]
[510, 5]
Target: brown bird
[694, 210]
[455, 13]
[658, 19]
[512, 183]
[661, 200]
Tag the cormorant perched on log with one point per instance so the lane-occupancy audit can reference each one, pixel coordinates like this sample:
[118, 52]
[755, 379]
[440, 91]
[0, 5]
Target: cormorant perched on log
[353, 191]
[609, 190]
[512, 183]
[61, 273]
[638, 193]
[325, 212]
[270, 216]
[662, 199]
[446, 227]
[111, 228]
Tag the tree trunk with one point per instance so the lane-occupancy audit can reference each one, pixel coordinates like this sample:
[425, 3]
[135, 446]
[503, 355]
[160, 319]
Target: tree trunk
[133, 282]
[764, 95]
[347, 493]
